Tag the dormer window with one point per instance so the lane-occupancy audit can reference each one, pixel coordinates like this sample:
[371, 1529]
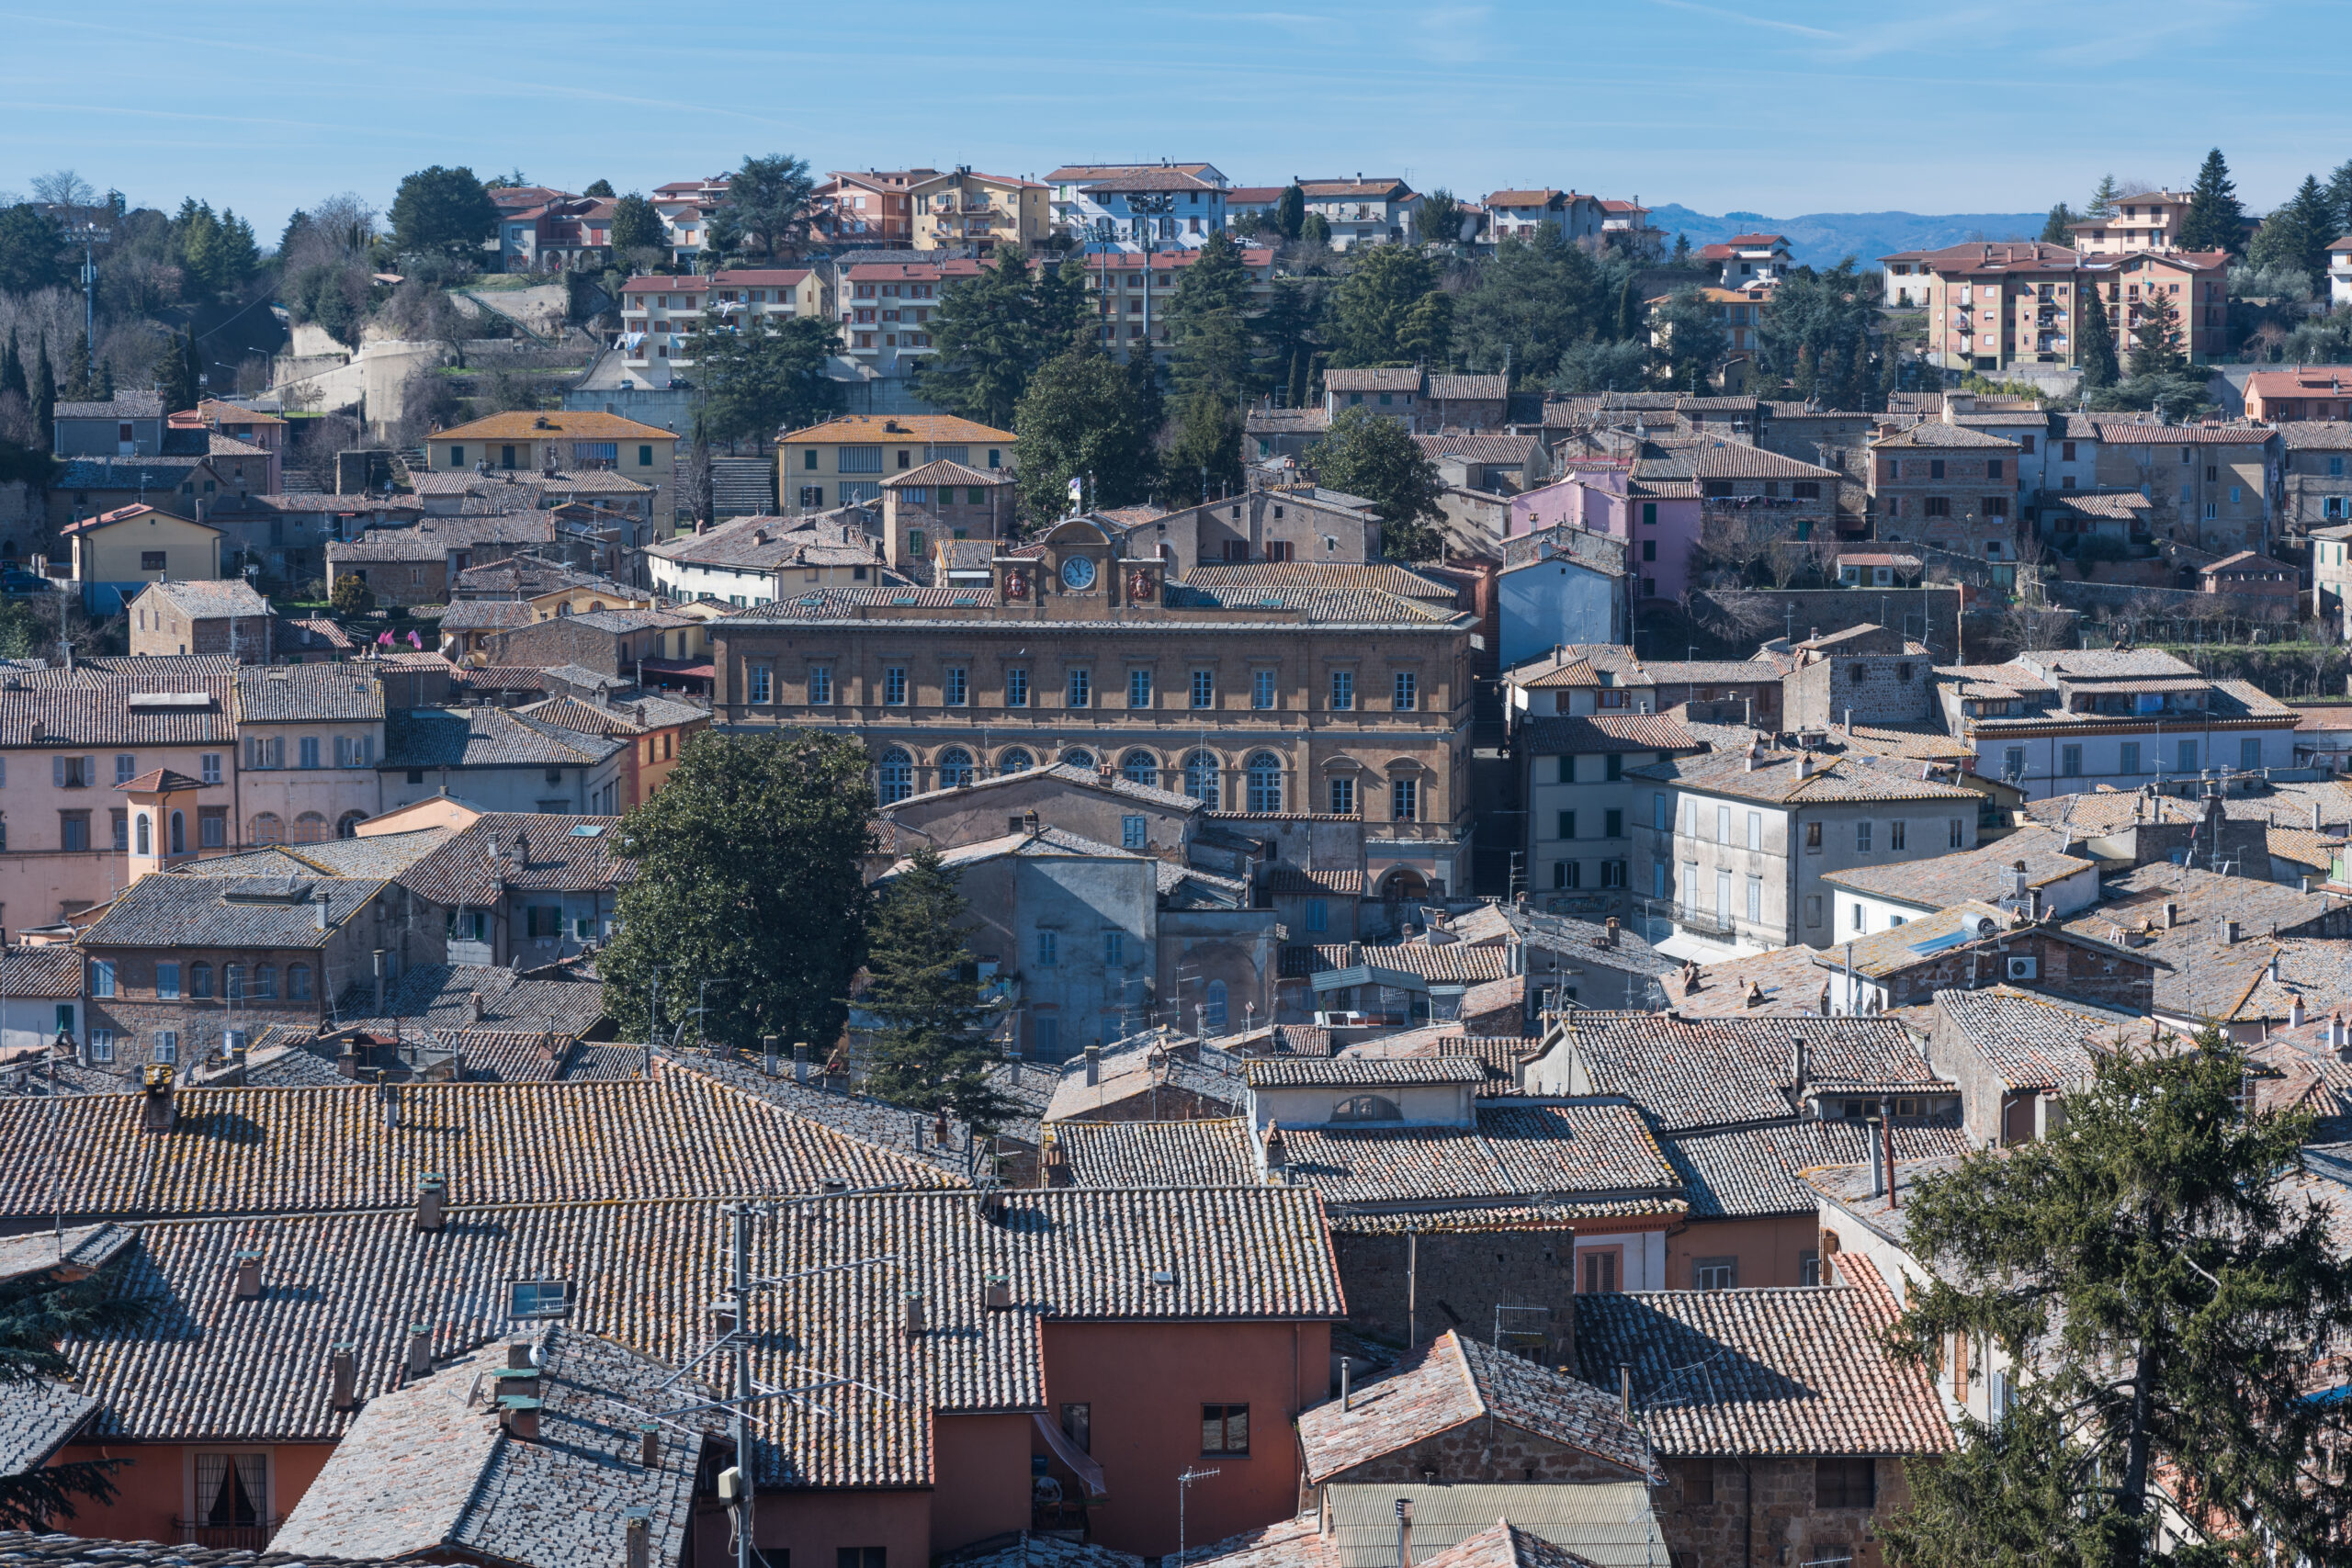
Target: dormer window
[1367, 1108]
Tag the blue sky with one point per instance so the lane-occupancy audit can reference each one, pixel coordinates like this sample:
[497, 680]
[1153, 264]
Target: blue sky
[1779, 108]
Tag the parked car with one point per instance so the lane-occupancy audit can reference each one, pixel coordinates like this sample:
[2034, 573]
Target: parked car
[16, 583]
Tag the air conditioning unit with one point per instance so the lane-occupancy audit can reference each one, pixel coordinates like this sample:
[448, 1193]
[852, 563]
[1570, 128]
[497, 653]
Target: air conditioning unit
[2022, 968]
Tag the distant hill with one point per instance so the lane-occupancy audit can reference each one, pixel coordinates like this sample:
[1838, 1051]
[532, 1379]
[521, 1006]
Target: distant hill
[1821, 238]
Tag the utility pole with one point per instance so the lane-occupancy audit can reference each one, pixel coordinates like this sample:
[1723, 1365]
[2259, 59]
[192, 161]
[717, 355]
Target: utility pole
[91, 234]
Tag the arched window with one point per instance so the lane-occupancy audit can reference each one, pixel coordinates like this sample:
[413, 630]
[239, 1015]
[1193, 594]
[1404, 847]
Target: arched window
[310, 829]
[298, 982]
[1212, 1010]
[233, 981]
[1201, 778]
[266, 829]
[179, 832]
[955, 768]
[1015, 761]
[1367, 1108]
[146, 836]
[1140, 767]
[200, 979]
[895, 776]
[1265, 782]
[266, 982]
[349, 827]
[1079, 757]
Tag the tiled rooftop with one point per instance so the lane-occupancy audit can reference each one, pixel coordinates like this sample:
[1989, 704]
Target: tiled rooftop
[2030, 1041]
[1749, 1172]
[1158, 1153]
[502, 851]
[1579, 1151]
[1691, 1073]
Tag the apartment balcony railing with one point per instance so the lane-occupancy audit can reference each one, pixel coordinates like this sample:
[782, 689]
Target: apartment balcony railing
[253, 1537]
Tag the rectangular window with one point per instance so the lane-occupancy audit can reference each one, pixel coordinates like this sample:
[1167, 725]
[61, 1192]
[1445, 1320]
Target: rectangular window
[1613, 767]
[1756, 830]
[2129, 757]
[1225, 1429]
[957, 686]
[1115, 948]
[213, 824]
[2070, 761]
[894, 686]
[72, 829]
[1080, 692]
[1898, 835]
[1600, 1271]
[306, 751]
[1343, 689]
[538, 1298]
[1612, 824]
[1319, 914]
[1016, 688]
[1567, 768]
[1845, 1483]
[126, 765]
[102, 977]
[1048, 949]
[102, 1045]
[763, 683]
[1139, 688]
[1344, 797]
[167, 981]
[1405, 800]
[2250, 753]
[1813, 836]
[121, 829]
[209, 765]
[1567, 825]
[820, 684]
[167, 1046]
[1204, 688]
[1261, 688]
[1714, 1274]
[1132, 832]
[1723, 824]
[1408, 691]
[2188, 755]
[1861, 837]
[1952, 837]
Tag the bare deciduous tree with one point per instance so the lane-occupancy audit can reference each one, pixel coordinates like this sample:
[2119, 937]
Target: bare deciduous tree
[63, 188]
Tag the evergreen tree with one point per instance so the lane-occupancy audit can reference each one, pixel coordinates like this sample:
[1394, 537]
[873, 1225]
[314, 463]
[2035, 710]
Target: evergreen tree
[2094, 340]
[1439, 222]
[2154, 1273]
[2055, 230]
[1620, 364]
[81, 384]
[1534, 298]
[443, 212]
[1692, 340]
[1290, 212]
[1085, 416]
[993, 329]
[636, 225]
[1366, 453]
[32, 251]
[930, 1050]
[1681, 257]
[1427, 333]
[173, 376]
[1145, 396]
[1205, 459]
[39, 1311]
[44, 392]
[2339, 201]
[12, 372]
[2104, 198]
[768, 203]
[1625, 321]
[106, 380]
[599, 187]
[779, 914]
[2214, 221]
[1315, 230]
[1209, 348]
[1373, 304]
[760, 379]
[1288, 340]
[1818, 328]
[2156, 338]
[192, 364]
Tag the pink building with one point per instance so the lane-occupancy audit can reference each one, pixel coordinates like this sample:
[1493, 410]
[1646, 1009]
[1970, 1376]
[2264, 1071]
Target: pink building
[1658, 520]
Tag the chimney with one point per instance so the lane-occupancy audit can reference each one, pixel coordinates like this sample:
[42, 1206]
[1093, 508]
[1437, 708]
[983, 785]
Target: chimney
[248, 1276]
[344, 1374]
[1029, 822]
[1886, 1136]
[2338, 1034]
[522, 1416]
[1277, 1154]
[347, 1061]
[1347, 1384]
[156, 1114]
[432, 1203]
[420, 1351]
[379, 981]
[2295, 1013]
[1095, 1063]
[1404, 1532]
[649, 1446]
[388, 1093]
[2229, 932]
[800, 1061]
[473, 1001]
[1878, 1169]
[1798, 1062]
[1626, 1387]
[1755, 994]
[917, 1313]
[1055, 1162]
[2172, 916]
[2016, 882]
[319, 910]
[2303, 884]
[768, 1055]
[639, 1536]
[1609, 932]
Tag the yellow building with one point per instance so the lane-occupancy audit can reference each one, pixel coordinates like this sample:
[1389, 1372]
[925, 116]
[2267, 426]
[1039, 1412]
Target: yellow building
[845, 460]
[966, 208]
[118, 553]
[564, 441]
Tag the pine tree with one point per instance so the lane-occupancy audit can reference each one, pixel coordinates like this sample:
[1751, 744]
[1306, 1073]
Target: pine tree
[2214, 220]
[2339, 201]
[1208, 324]
[1205, 459]
[82, 381]
[1681, 257]
[2094, 340]
[2104, 198]
[931, 1051]
[2156, 338]
[2054, 230]
[192, 364]
[172, 378]
[2153, 1267]
[37, 1312]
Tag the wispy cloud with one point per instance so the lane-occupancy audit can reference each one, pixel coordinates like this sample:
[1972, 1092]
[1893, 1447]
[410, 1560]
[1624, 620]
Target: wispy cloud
[1749, 18]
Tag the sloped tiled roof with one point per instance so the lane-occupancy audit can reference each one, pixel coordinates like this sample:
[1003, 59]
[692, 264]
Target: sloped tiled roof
[282, 693]
[1690, 1073]
[52, 971]
[37, 1419]
[486, 737]
[199, 599]
[1300, 1072]
[1566, 1151]
[1551, 735]
[1747, 1172]
[441, 996]
[2029, 1039]
[1158, 1153]
[518, 851]
[212, 910]
[1798, 1372]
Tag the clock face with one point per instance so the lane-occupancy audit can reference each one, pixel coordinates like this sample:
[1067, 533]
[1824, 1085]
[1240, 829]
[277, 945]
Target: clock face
[1078, 571]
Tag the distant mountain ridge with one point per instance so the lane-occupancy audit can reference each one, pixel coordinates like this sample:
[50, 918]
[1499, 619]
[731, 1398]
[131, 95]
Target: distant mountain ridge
[1822, 238]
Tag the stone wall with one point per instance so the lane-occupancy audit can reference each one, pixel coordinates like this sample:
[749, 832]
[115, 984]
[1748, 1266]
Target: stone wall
[1463, 1277]
[2060, 969]
[1771, 611]
[1733, 1511]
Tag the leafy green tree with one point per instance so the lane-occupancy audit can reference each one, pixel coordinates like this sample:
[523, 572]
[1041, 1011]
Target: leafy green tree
[443, 212]
[1440, 219]
[760, 379]
[1204, 460]
[636, 225]
[1603, 364]
[1367, 455]
[1817, 330]
[38, 1313]
[1290, 213]
[32, 251]
[2054, 230]
[767, 202]
[322, 295]
[2103, 199]
[599, 187]
[2214, 220]
[1692, 340]
[350, 596]
[1534, 300]
[1374, 304]
[1208, 324]
[1085, 417]
[749, 872]
[930, 1050]
[2151, 1269]
[1288, 337]
[993, 329]
[2094, 340]
[1316, 229]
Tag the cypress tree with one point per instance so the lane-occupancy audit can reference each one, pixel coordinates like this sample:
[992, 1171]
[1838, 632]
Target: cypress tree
[2214, 221]
[44, 392]
[12, 371]
[931, 1051]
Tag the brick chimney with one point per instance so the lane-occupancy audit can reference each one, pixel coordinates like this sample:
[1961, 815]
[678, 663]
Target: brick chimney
[420, 1351]
[248, 1276]
[342, 1376]
[156, 1113]
[432, 1203]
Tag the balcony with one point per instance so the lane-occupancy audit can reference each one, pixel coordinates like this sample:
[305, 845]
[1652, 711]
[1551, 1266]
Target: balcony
[226, 1538]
